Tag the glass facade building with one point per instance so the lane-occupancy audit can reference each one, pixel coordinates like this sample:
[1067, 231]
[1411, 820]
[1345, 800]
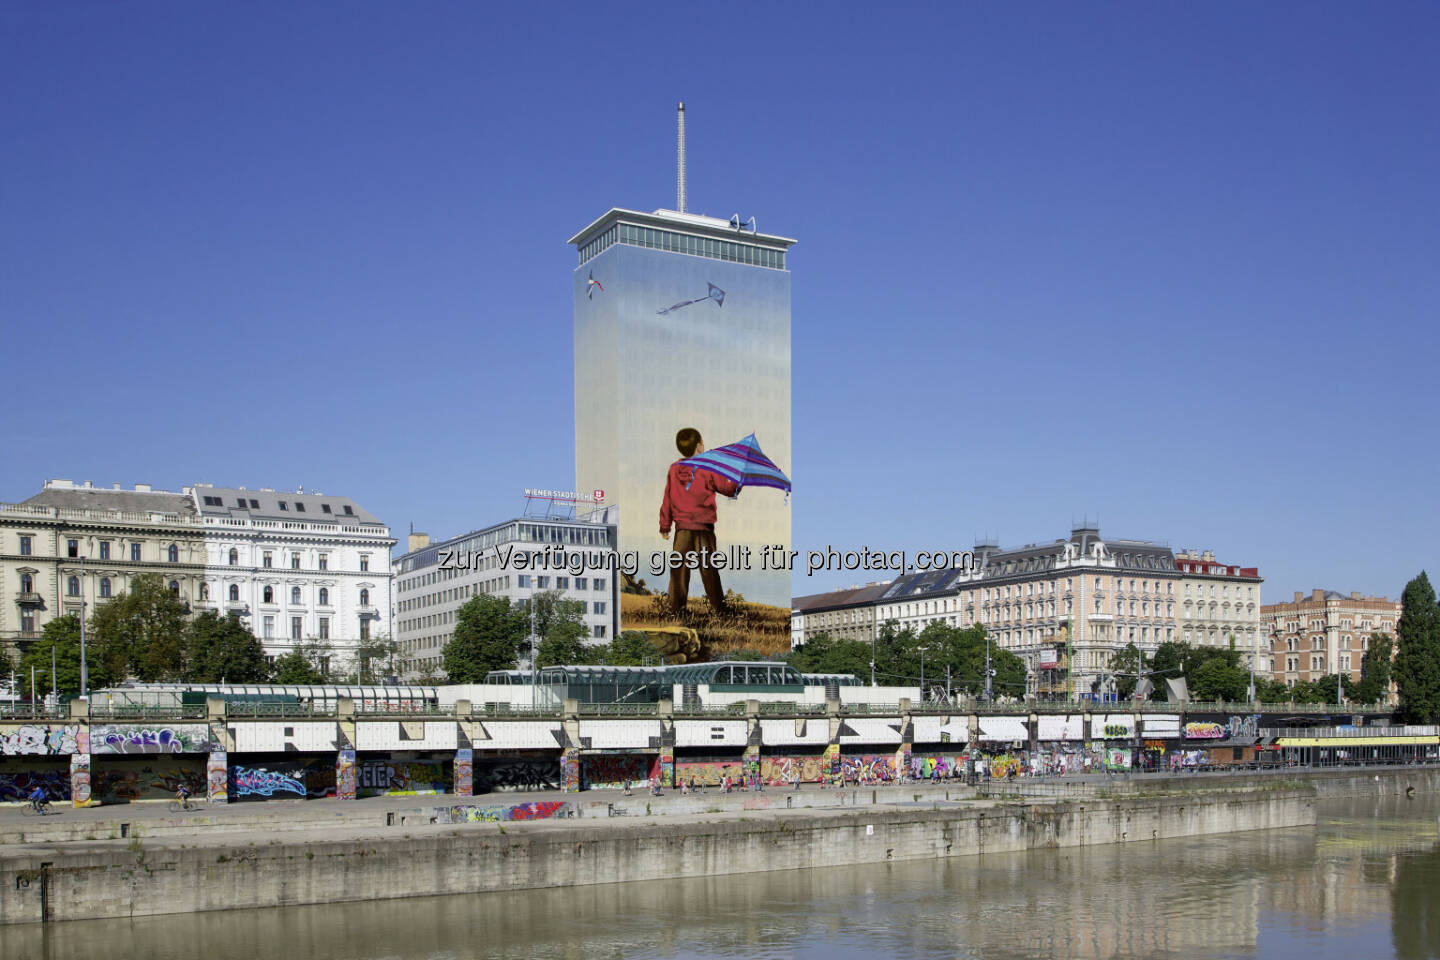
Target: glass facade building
[682, 321]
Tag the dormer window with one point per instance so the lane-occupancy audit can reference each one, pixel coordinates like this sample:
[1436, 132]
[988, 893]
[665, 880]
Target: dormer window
[324, 508]
[284, 506]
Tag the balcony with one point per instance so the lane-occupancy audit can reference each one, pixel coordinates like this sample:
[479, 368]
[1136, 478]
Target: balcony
[368, 613]
[30, 599]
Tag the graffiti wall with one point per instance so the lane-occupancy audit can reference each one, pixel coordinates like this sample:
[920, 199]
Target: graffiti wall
[535, 810]
[117, 780]
[930, 768]
[707, 773]
[42, 739]
[19, 777]
[610, 771]
[517, 774]
[282, 779]
[402, 778]
[868, 768]
[80, 779]
[346, 781]
[150, 738]
[779, 771]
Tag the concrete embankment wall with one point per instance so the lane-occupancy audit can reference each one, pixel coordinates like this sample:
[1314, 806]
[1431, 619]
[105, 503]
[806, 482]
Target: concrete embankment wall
[108, 880]
[1339, 784]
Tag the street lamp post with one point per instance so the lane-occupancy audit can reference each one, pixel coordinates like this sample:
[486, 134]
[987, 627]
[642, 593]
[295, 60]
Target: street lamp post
[84, 667]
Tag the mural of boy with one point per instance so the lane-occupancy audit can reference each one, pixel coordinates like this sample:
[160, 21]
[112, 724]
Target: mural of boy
[689, 506]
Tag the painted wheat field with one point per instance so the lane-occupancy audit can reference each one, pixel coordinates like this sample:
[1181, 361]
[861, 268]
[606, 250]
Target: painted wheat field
[744, 626]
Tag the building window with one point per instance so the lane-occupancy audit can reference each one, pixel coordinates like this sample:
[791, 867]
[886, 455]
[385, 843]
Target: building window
[72, 548]
[269, 628]
[299, 507]
[599, 631]
[174, 588]
[284, 506]
[27, 583]
[523, 580]
[324, 561]
[365, 629]
[174, 553]
[294, 561]
[324, 628]
[234, 556]
[204, 591]
[295, 595]
[295, 628]
[27, 620]
[234, 593]
[599, 583]
[267, 595]
[104, 549]
[364, 597]
[72, 586]
[25, 546]
[542, 583]
[267, 560]
[364, 558]
[104, 586]
[562, 583]
[599, 607]
[324, 598]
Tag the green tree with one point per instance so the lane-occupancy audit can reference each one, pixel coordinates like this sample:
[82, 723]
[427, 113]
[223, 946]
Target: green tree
[1218, 678]
[488, 636]
[1417, 655]
[294, 668]
[1125, 665]
[372, 659]
[1168, 663]
[61, 635]
[220, 648]
[1374, 683]
[141, 632]
[823, 653]
[630, 649]
[563, 642]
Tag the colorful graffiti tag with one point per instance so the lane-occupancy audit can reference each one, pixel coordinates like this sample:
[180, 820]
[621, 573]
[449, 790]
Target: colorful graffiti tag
[610, 772]
[17, 784]
[133, 738]
[868, 769]
[778, 771]
[535, 810]
[397, 778]
[930, 768]
[80, 779]
[1204, 731]
[275, 780]
[708, 773]
[42, 739]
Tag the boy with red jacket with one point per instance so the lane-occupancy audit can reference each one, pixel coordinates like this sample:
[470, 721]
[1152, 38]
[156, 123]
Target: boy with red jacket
[689, 506]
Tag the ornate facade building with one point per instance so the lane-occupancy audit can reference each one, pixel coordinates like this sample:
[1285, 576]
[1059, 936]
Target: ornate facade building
[293, 567]
[1319, 635]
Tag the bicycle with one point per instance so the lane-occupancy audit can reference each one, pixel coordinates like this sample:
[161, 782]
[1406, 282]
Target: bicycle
[28, 809]
[176, 806]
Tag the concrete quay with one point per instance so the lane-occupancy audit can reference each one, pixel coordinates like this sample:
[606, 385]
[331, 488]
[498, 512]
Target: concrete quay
[250, 866]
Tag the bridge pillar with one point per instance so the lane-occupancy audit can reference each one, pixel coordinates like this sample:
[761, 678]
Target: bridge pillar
[464, 772]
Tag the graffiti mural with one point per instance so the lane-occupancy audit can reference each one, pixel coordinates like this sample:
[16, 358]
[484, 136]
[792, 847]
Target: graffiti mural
[17, 784]
[147, 779]
[464, 773]
[708, 773]
[280, 779]
[931, 768]
[518, 774]
[779, 771]
[535, 810]
[868, 768]
[80, 779]
[345, 783]
[137, 738]
[400, 778]
[609, 772]
[217, 778]
[1204, 731]
[45, 739]
[570, 770]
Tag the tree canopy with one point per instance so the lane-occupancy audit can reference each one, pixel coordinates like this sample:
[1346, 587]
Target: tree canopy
[489, 632]
[140, 633]
[1417, 656]
[220, 648]
[61, 635]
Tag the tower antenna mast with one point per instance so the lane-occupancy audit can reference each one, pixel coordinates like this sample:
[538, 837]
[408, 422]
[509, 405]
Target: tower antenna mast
[680, 159]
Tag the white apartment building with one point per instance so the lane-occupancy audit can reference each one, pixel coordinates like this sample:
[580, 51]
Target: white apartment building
[296, 567]
[515, 560]
[1218, 601]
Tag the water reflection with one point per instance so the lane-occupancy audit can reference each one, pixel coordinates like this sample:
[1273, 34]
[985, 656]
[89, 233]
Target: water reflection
[1362, 885]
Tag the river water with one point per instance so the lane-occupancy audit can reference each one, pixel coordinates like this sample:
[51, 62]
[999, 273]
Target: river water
[1364, 884]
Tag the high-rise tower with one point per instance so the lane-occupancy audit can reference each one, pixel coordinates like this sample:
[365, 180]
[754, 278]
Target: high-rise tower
[682, 321]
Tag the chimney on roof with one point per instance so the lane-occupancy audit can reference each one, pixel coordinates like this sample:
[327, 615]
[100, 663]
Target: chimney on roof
[1355, 595]
[1299, 596]
[1208, 556]
[60, 484]
[114, 486]
[142, 488]
[418, 541]
[1317, 594]
[89, 485]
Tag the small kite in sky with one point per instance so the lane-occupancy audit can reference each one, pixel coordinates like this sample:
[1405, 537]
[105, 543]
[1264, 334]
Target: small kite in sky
[714, 293]
[590, 286]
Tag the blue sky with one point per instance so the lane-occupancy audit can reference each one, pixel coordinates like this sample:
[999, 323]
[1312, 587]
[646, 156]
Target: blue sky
[1174, 267]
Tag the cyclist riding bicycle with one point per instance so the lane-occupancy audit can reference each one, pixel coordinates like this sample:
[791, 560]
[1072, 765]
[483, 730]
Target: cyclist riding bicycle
[38, 800]
[182, 793]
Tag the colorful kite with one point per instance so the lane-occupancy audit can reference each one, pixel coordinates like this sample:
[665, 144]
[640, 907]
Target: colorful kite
[714, 293]
[590, 286]
[742, 463]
